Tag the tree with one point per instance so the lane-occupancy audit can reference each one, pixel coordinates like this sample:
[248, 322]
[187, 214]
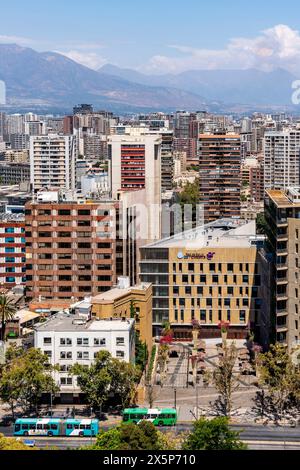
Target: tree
[106, 375]
[9, 443]
[261, 224]
[95, 380]
[143, 436]
[109, 440]
[7, 313]
[26, 378]
[224, 380]
[281, 376]
[213, 435]
[150, 394]
[124, 377]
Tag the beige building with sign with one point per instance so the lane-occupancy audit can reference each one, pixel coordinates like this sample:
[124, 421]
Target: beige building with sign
[218, 272]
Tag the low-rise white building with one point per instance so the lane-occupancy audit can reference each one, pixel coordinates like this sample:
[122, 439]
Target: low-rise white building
[68, 339]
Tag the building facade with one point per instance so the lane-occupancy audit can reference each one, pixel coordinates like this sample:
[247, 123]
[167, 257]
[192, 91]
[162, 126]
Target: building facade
[220, 175]
[282, 159]
[68, 340]
[211, 275]
[282, 210]
[124, 301]
[53, 162]
[12, 250]
[70, 249]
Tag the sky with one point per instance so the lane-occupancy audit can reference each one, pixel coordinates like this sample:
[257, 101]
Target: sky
[160, 36]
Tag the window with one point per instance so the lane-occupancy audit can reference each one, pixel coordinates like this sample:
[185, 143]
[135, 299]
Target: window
[188, 290]
[246, 302]
[48, 353]
[82, 341]
[228, 315]
[120, 341]
[185, 279]
[200, 290]
[215, 279]
[66, 355]
[230, 268]
[120, 354]
[245, 279]
[212, 267]
[243, 316]
[203, 315]
[191, 267]
[47, 340]
[65, 342]
[227, 302]
[203, 279]
[99, 341]
[175, 290]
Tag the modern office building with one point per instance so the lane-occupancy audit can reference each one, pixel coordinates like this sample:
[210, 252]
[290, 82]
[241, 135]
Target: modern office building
[282, 211]
[217, 272]
[220, 175]
[53, 162]
[12, 250]
[68, 340]
[282, 159]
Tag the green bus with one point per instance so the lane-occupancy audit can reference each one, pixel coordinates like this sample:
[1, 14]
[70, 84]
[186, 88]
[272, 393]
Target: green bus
[159, 417]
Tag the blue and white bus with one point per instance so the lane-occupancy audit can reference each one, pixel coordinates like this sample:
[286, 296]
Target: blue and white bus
[52, 427]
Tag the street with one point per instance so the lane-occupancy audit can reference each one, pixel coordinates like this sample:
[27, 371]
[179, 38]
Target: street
[256, 437]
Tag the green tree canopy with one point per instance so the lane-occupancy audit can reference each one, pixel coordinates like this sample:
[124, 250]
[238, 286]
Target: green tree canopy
[129, 437]
[213, 435]
[25, 378]
[106, 375]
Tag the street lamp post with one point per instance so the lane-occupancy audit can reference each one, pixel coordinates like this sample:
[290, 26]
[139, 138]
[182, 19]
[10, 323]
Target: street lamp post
[175, 398]
[188, 370]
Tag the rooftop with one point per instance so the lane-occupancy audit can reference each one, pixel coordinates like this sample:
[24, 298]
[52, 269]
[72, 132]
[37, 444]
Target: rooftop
[288, 198]
[223, 233]
[67, 322]
[117, 292]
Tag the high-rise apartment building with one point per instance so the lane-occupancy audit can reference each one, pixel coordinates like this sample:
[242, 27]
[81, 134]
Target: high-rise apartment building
[282, 210]
[70, 248]
[12, 250]
[220, 175]
[135, 165]
[282, 159]
[53, 162]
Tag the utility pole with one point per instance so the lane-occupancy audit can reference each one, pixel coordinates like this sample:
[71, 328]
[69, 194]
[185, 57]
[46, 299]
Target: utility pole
[197, 403]
[175, 398]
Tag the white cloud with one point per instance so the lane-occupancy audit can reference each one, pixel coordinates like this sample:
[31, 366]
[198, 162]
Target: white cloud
[90, 59]
[275, 47]
[16, 40]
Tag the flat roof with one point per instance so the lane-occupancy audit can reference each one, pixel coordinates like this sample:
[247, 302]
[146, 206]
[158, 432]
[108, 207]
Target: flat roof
[223, 233]
[288, 198]
[67, 322]
[117, 293]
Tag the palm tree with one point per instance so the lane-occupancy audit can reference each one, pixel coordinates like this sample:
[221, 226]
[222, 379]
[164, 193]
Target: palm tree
[7, 312]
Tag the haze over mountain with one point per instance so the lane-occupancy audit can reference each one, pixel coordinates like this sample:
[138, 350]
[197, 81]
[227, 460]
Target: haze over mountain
[52, 80]
[252, 87]
[47, 81]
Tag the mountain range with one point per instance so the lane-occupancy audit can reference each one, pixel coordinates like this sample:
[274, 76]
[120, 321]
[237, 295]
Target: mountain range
[48, 81]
